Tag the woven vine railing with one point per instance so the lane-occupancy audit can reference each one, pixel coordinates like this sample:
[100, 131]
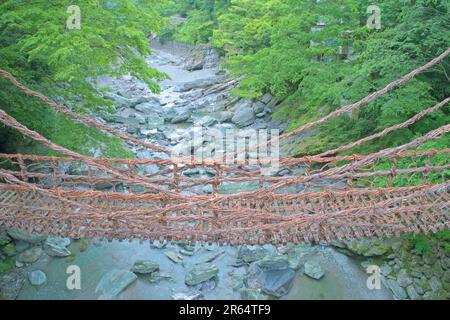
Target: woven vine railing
[310, 199]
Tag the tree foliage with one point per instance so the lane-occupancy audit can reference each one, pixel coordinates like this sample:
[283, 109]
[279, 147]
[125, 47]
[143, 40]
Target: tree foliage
[295, 49]
[37, 47]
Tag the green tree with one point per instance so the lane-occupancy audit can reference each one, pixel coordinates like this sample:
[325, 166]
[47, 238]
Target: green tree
[37, 47]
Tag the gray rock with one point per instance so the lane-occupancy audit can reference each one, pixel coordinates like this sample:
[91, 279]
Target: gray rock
[253, 294]
[21, 246]
[249, 254]
[298, 255]
[123, 102]
[181, 116]
[412, 293]
[225, 116]
[272, 275]
[148, 107]
[435, 284]
[259, 107]
[398, 291]
[187, 297]
[200, 84]
[385, 270]
[119, 101]
[154, 121]
[403, 279]
[114, 282]
[206, 121]
[266, 98]
[369, 247]
[244, 115]
[30, 255]
[314, 270]
[145, 267]
[26, 236]
[37, 277]
[174, 256]
[200, 273]
[56, 247]
[191, 172]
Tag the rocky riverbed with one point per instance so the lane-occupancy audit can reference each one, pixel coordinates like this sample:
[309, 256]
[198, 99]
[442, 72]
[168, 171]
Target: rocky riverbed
[198, 95]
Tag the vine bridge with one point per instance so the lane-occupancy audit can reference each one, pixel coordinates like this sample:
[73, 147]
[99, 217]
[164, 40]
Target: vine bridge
[319, 198]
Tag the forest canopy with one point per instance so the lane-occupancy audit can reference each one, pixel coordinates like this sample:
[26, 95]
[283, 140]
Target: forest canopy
[38, 47]
[317, 56]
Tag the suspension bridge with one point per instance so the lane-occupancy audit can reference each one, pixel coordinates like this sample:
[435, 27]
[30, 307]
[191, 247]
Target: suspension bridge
[403, 189]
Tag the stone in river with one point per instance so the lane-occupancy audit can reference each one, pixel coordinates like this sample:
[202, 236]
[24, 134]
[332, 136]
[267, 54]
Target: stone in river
[37, 277]
[145, 266]
[181, 116]
[250, 254]
[225, 116]
[206, 121]
[185, 296]
[244, 115]
[174, 256]
[114, 282]
[147, 107]
[272, 275]
[398, 291]
[253, 294]
[56, 247]
[200, 273]
[26, 236]
[30, 255]
[258, 107]
[314, 270]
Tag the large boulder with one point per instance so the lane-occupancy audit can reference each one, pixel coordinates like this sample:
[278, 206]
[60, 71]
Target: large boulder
[249, 254]
[225, 116]
[26, 236]
[114, 282]
[314, 270]
[206, 121]
[181, 116]
[145, 267]
[266, 98]
[57, 247]
[200, 273]
[37, 277]
[30, 255]
[272, 275]
[123, 102]
[148, 107]
[244, 115]
[253, 294]
[259, 107]
[369, 247]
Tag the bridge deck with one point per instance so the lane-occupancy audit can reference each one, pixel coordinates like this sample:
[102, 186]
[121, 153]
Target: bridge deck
[310, 217]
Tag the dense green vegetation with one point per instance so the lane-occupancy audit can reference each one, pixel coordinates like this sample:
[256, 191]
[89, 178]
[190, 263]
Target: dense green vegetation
[278, 46]
[317, 56]
[37, 47]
